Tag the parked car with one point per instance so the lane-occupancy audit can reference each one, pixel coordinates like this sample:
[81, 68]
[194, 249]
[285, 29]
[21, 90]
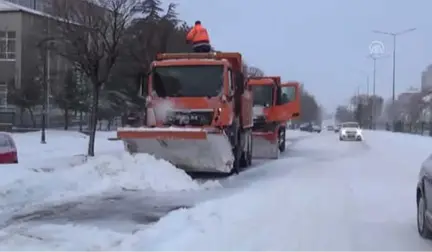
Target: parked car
[424, 199]
[316, 128]
[337, 128]
[306, 127]
[8, 150]
[350, 131]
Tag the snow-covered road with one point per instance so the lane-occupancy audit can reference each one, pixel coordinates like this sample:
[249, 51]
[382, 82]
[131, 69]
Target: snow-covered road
[322, 195]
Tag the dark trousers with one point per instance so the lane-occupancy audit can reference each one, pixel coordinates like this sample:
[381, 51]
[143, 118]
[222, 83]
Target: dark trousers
[202, 49]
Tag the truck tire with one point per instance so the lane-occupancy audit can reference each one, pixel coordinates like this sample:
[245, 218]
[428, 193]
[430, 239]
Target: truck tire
[282, 139]
[246, 158]
[237, 152]
[236, 148]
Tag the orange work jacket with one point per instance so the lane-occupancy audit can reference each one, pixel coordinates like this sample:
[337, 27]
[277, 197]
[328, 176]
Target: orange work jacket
[198, 35]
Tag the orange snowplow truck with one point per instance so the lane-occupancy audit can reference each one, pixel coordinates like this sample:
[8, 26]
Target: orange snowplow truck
[274, 104]
[198, 113]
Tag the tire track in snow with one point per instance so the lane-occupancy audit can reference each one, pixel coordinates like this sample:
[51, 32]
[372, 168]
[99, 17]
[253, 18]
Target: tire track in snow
[131, 208]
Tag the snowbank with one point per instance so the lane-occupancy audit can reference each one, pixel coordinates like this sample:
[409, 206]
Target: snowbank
[65, 237]
[98, 175]
[63, 148]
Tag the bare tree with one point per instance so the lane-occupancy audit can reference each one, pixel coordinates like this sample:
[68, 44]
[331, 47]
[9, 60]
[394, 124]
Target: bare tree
[250, 71]
[343, 114]
[310, 110]
[89, 35]
[364, 107]
[254, 72]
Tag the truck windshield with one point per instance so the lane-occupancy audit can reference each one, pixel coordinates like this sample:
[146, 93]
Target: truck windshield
[262, 95]
[188, 81]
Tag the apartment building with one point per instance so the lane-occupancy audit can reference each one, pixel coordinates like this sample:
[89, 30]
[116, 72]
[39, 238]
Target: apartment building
[426, 79]
[20, 28]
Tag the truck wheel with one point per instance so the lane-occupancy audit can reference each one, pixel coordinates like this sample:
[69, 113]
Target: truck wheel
[250, 150]
[282, 140]
[237, 148]
[237, 151]
[246, 158]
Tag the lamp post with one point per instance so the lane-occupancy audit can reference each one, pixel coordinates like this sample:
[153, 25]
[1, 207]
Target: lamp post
[394, 35]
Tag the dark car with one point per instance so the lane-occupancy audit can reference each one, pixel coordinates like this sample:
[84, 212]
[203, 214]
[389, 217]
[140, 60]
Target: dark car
[337, 128]
[424, 199]
[330, 128]
[306, 127]
[310, 127]
[316, 128]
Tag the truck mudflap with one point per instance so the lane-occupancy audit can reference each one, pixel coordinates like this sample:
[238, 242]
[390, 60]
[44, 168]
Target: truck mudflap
[265, 145]
[193, 150]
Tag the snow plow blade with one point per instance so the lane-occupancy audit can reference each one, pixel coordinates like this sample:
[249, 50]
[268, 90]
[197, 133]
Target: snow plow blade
[193, 150]
[265, 145]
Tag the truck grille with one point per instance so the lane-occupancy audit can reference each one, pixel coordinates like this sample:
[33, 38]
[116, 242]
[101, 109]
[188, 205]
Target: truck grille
[261, 125]
[192, 118]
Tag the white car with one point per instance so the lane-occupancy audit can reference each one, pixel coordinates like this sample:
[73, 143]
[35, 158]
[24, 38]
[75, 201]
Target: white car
[350, 131]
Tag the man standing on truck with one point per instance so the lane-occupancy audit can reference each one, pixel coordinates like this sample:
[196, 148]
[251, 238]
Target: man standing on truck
[199, 38]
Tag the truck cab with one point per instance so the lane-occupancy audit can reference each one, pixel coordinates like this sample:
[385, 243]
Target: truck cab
[274, 104]
[198, 113]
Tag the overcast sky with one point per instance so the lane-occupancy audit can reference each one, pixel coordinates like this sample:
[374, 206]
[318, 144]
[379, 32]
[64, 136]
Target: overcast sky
[321, 43]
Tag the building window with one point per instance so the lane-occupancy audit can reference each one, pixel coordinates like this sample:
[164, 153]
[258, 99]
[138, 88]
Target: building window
[3, 95]
[7, 45]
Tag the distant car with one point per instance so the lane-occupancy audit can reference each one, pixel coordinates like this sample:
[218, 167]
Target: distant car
[350, 131]
[424, 199]
[330, 128]
[337, 128]
[306, 127]
[8, 150]
[316, 128]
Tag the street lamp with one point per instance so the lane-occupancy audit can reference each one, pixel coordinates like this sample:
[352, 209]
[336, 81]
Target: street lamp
[374, 58]
[394, 35]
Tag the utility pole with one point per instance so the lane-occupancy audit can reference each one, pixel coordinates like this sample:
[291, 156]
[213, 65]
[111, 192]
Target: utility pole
[367, 86]
[374, 58]
[44, 54]
[394, 35]
[43, 50]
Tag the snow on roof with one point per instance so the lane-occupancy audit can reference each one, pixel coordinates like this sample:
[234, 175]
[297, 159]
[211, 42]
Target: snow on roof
[6, 6]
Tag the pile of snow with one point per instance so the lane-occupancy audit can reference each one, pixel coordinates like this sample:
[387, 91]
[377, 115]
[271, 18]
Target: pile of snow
[62, 149]
[98, 175]
[65, 237]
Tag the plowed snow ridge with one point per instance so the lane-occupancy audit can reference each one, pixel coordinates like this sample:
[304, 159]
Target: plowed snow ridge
[118, 171]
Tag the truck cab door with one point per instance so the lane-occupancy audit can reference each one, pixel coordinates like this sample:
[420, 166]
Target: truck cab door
[287, 103]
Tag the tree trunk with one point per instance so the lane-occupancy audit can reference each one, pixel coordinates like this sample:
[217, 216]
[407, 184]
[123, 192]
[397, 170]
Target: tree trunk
[66, 119]
[110, 121]
[81, 121]
[93, 119]
[22, 110]
[32, 117]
